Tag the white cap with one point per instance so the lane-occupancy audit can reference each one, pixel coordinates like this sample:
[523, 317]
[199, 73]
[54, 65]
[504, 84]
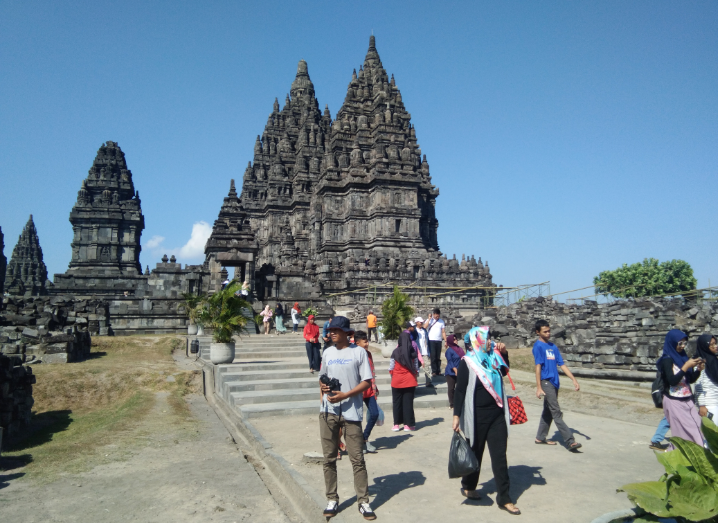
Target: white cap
[419, 319]
[412, 323]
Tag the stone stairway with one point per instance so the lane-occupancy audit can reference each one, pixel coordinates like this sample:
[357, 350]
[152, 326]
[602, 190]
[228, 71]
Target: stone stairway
[270, 376]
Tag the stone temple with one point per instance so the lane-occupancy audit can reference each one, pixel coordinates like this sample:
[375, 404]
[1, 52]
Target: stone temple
[341, 205]
[331, 211]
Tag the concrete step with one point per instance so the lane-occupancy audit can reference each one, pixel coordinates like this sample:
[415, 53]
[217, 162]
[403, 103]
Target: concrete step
[272, 364]
[253, 397]
[268, 355]
[312, 406]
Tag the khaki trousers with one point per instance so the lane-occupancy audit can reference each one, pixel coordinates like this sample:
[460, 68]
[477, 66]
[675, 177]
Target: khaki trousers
[329, 425]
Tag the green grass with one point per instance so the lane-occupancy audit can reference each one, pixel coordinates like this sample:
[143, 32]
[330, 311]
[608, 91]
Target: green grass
[96, 411]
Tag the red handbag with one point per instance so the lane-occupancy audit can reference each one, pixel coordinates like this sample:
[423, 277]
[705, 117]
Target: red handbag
[517, 412]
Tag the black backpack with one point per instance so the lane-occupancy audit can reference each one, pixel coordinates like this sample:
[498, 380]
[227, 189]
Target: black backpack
[657, 390]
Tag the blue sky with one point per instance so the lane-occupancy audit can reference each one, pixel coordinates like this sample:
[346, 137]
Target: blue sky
[566, 138]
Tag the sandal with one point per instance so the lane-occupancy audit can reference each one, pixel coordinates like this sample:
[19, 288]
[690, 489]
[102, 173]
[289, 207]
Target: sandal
[544, 442]
[514, 512]
[470, 494]
[342, 447]
[574, 446]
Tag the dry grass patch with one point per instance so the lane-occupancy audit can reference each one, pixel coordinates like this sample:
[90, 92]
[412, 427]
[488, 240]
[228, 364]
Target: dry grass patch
[89, 411]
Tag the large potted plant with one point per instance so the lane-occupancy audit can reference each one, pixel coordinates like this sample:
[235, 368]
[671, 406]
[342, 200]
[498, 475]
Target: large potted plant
[224, 313]
[395, 311]
[193, 308]
[688, 491]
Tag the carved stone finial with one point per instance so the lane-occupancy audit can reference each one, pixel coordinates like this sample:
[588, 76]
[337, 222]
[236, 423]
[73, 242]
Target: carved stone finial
[173, 259]
[165, 259]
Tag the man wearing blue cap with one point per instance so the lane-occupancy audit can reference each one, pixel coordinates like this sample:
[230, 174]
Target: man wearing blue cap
[343, 409]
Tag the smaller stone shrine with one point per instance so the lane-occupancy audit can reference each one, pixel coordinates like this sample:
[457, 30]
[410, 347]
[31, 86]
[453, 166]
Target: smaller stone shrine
[3, 262]
[107, 223]
[232, 243]
[26, 273]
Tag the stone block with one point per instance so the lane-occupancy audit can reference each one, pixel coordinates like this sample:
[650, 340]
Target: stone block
[54, 348]
[59, 357]
[30, 333]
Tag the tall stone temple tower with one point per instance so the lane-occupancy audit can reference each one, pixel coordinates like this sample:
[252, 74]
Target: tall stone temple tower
[26, 273]
[107, 223]
[342, 204]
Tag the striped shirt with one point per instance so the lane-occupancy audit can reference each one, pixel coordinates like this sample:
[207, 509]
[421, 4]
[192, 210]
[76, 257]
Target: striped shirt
[706, 391]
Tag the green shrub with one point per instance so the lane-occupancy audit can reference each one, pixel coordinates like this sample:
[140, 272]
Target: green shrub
[688, 491]
[224, 313]
[649, 278]
[395, 311]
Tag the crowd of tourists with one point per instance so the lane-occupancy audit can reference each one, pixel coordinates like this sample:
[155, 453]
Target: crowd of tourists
[477, 396]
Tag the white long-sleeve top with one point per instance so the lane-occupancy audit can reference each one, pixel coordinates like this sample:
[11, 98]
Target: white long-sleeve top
[706, 391]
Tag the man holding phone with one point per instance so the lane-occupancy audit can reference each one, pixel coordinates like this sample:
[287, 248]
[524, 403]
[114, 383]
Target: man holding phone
[343, 410]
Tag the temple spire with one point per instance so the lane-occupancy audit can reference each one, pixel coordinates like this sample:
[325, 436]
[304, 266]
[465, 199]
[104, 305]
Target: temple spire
[26, 273]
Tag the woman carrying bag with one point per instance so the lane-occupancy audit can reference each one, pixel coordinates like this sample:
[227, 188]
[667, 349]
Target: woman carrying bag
[481, 412]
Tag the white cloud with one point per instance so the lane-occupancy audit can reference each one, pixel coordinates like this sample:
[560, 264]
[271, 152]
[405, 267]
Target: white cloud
[154, 242]
[194, 248]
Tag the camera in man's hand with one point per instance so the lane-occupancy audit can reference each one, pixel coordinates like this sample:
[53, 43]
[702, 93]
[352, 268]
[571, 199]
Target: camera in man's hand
[332, 383]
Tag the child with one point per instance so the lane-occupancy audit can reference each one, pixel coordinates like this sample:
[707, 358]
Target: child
[371, 394]
[548, 359]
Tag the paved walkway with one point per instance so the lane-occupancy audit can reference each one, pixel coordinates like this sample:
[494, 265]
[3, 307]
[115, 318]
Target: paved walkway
[409, 482]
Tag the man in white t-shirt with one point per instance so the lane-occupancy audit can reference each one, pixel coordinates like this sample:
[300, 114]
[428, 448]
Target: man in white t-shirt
[437, 337]
[423, 342]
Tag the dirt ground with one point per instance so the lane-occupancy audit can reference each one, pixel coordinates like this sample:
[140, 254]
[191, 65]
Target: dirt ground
[167, 463]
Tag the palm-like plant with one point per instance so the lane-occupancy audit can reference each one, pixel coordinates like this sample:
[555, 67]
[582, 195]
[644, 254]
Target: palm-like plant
[395, 310]
[193, 305]
[224, 313]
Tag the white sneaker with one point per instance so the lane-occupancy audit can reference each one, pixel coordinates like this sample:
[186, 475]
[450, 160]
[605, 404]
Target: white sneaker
[366, 511]
[331, 509]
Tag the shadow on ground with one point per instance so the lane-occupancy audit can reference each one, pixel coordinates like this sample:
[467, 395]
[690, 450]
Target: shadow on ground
[386, 487]
[95, 355]
[6, 478]
[41, 429]
[428, 423]
[522, 478]
[390, 442]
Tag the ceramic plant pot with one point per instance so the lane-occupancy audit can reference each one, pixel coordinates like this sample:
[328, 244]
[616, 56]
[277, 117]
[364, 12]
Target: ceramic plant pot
[191, 330]
[221, 353]
[200, 330]
[386, 350]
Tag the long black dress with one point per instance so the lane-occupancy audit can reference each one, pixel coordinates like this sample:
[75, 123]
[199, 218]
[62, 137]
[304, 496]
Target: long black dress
[489, 427]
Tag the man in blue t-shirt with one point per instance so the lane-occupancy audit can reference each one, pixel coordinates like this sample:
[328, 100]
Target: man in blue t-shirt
[548, 360]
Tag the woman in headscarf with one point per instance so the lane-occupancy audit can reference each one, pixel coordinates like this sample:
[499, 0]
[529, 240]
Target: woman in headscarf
[481, 412]
[404, 369]
[679, 371]
[707, 386]
[454, 353]
[311, 336]
[296, 316]
[279, 319]
[267, 317]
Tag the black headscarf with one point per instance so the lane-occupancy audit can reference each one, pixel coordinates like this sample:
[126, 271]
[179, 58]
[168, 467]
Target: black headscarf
[711, 359]
[405, 353]
[279, 311]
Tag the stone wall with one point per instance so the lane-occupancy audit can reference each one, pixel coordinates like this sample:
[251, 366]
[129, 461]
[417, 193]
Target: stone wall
[50, 329]
[16, 401]
[624, 335]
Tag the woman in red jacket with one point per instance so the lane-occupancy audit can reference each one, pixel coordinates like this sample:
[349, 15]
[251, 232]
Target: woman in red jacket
[404, 369]
[311, 335]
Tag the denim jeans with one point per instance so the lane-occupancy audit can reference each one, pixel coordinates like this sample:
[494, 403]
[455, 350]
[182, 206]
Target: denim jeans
[373, 409]
[661, 431]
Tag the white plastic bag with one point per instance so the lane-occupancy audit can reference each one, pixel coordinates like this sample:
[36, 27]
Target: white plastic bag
[380, 419]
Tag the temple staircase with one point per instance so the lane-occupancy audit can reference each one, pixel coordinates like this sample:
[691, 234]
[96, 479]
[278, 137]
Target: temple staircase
[270, 376]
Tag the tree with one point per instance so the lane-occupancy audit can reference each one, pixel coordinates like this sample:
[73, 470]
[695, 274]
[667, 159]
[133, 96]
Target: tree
[649, 278]
[395, 310]
[225, 313]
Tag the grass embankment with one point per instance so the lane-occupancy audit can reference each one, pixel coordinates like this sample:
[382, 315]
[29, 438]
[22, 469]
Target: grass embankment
[90, 411]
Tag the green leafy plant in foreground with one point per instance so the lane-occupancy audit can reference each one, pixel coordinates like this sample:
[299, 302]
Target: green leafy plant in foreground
[193, 305]
[688, 491]
[395, 311]
[224, 313]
